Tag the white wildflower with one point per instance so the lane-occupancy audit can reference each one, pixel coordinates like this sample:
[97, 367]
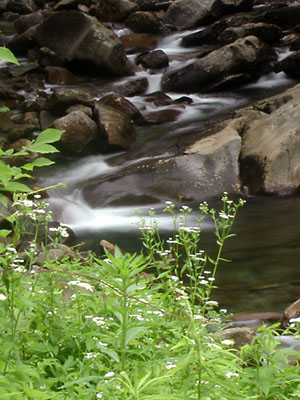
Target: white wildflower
[109, 374]
[2, 297]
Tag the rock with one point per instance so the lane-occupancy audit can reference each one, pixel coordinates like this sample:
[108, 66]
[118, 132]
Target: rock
[207, 35]
[115, 10]
[61, 99]
[120, 103]
[271, 149]
[143, 22]
[188, 13]
[80, 107]
[241, 56]
[84, 42]
[66, 5]
[115, 125]
[47, 57]
[80, 132]
[138, 42]
[55, 253]
[230, 82]
[292, 311]
[21, 6]
[161, 116]
[204, 170]
[153, 59]
[231, 6]
[267, 32]
[290, 65]
[20, 44]
[21, 131]
[133, 87]
[240, 335]
[282, 16]
[154, 5]
[59, 76]
[6, 123]
[24, 22]
[46, 119]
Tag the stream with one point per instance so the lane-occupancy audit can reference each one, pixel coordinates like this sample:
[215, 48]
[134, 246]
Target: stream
[263, 274]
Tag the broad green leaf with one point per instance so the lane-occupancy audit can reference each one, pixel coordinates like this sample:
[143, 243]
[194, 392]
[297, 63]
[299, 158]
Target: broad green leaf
[3, 200]
[48, 136]
[42, 148]
[7, 55]
[4, 232]
[111, 353]
[4, 109]
[16, 187]
[39, 162]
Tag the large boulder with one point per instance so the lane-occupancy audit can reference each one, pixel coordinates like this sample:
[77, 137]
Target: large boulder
[271, 149]
[238, 57]
[143, 22]
[84, 42]
[80, 132]
[188, 13]
[115, 126]
[204, 170]
[115, 10]
[63, 98]
[267, 32]
[290, 65]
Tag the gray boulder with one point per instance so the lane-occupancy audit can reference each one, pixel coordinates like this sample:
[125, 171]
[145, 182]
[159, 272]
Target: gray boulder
[115, 10]
[84, 42]
[271, 149]
[188, 13]
[115, 126]
[204, 170]
[267, 32]
[80, 132]
[61, 99]
[238, 57]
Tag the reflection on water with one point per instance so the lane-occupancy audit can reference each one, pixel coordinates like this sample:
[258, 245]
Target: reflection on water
[264, 274]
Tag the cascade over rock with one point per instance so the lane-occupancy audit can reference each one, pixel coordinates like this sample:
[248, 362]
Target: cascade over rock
[239, 56]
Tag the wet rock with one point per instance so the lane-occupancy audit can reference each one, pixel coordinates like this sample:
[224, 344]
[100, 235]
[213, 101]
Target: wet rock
[143, 22]
[6, 123]
[80, 132]
[207, 35]
[282, 16]
[267, 32]
[47, 57]
[30, 117]
[124, 105]
[46, 119]
[230, 82]
[237, 57]
[59, 76]
[204, 170]
[153, 59]
[154, 5]
[161, 116]
[80, 107]
[133, 87]
[24, 22]
[240, 335]
[115, 125]
[19, 145]
[24, 68]
[20, 44]
[115, 10]
[61, 99]
[188, 13]
[138, 42]
[84, 42]
[21, 131]
[292, 311]
[55, 252]
[231, 6]
[290, 65]
[21, 6]
[159, 99]
[66, 5]
[271, 149]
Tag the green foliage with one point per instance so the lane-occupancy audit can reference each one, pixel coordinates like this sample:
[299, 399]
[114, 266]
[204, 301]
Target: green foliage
[122, 326]
[11, 176]
[7, 55]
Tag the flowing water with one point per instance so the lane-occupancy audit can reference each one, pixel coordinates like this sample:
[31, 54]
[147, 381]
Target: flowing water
[263, 274]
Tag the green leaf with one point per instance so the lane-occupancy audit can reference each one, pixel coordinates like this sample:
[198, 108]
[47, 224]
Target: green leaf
[132, 333]
[80, 380]
[4, 232]
[3, 200]
[49, 136]
[8, 395]
[7, 55]
[16, 187]
[42, 148]
[39, 162]
[111, 353]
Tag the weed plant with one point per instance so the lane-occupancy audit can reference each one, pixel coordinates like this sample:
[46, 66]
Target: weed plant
[125, 326]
